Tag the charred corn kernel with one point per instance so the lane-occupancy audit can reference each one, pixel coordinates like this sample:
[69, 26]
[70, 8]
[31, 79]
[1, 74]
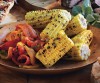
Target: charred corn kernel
[85, 37]
[54, 49]
[58, 23]
[78, 52]
[76, 25]
[41, 18]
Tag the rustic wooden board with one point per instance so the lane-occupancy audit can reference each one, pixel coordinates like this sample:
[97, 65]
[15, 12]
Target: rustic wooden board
[82, 76]
[8, 76]
[39, 4]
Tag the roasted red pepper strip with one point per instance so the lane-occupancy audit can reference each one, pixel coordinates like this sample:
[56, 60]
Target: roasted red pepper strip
[21, 48]
[20, 59]
[36, 44]
[25, 40]
[10, 53]
[29, 42]
[40, 45]
[32, 43]
[8, 44]
[23, 60]
[32, 31]
[15, 56]
[13, 35]
[27, 30]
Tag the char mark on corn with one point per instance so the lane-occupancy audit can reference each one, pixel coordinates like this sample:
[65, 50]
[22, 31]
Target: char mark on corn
[55, 49]
[76, 25]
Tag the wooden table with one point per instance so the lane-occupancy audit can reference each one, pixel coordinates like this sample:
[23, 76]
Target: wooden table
[8, 76]
[81, 76]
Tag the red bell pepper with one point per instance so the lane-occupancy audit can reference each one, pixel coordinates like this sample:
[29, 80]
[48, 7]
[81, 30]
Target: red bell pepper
[8, 44]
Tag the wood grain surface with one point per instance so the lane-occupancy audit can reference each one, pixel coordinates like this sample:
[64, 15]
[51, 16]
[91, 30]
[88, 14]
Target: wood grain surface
[82, 76]
[8, 76]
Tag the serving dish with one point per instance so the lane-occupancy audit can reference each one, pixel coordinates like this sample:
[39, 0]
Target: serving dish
[62, 66]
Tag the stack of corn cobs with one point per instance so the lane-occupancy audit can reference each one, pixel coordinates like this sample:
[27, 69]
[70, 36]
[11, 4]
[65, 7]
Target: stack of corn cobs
[66, 36]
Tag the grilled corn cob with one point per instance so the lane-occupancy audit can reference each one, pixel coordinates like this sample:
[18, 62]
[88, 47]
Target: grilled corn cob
[85, 37]
[54, 49]
[76, 25]
[78, 52]
[41, 18]
[58, 23]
